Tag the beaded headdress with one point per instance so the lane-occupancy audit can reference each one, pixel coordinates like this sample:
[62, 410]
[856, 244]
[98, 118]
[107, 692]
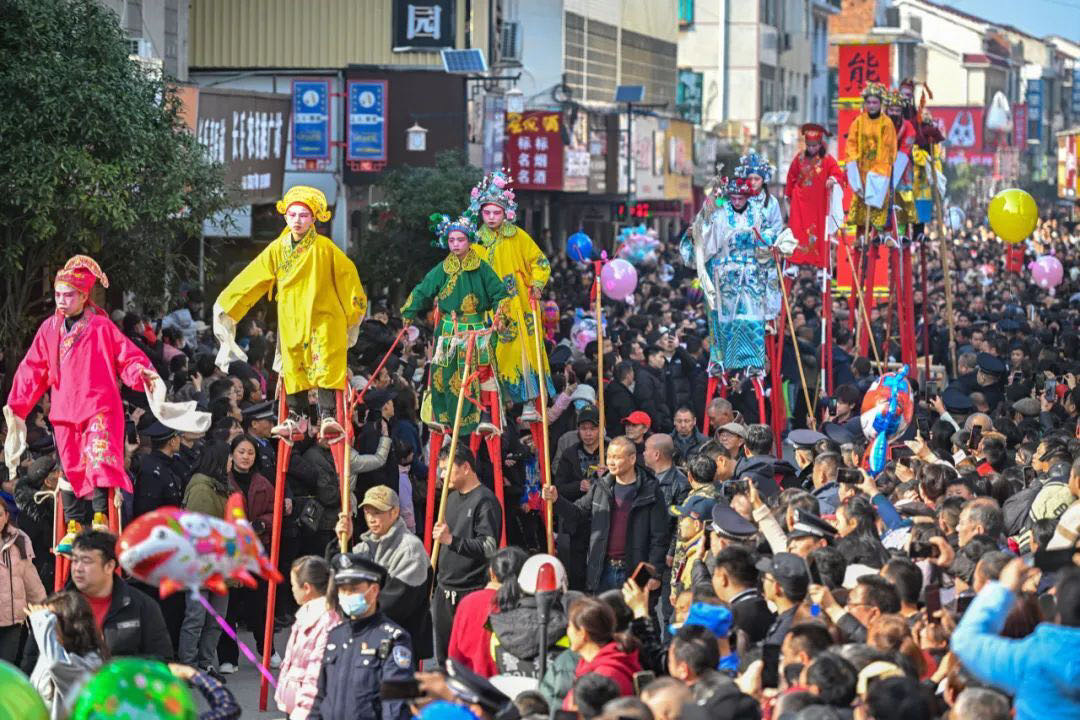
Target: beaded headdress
[494, 189]
[442, 225]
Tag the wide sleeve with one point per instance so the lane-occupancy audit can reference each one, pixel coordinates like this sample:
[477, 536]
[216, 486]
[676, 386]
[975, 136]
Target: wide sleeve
[130, 360]
[254, 281]
[539, 267]
[997, 660]
[494, 289]
[31, 377]
[792, 177]
[350, 291]
[832, 169]
[423, 295]
[888, 146]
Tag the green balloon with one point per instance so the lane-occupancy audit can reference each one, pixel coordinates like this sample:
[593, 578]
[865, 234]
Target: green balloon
[134, 689]
[18, 698]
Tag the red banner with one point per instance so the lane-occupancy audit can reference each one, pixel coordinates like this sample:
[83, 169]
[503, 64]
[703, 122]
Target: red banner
[1020, 126]
[534, 150]
[962, 127]
[861, 64]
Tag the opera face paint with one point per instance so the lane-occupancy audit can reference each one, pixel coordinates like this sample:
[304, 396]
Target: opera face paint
[493, 216]
[458, 243]
[299, 219]
[69, 301]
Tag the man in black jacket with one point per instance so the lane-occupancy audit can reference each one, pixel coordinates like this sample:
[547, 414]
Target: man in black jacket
[619, 397]
[130, 620]
[576, 472]
[628, 521]
[651, 391]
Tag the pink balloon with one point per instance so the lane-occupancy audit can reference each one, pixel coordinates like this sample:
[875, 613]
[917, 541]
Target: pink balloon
[618, 279]
[1047, 272]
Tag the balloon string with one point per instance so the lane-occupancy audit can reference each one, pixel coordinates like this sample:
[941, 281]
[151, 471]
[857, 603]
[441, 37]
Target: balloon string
[232, 635]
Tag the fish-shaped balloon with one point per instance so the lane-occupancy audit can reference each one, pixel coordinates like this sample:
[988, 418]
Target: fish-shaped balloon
[176, 549]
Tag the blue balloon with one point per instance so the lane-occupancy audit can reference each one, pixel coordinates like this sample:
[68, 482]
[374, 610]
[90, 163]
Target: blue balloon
[579, 247]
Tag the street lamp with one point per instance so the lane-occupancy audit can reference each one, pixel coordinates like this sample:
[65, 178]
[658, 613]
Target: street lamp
[416, 138]
[515, 101]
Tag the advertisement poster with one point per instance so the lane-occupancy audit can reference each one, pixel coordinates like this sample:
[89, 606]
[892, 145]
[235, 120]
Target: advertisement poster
[367, 121]
[311, 119]
[534, 149]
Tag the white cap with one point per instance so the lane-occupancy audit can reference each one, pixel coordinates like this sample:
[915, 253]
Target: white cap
[530, 571]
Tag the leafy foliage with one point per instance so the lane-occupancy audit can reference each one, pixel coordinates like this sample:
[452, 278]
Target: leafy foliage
[399, 252]
[95, 159]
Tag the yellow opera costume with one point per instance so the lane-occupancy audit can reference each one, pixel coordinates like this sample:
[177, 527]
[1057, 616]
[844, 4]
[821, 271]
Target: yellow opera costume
[870, 153]
[520, 265]
[320, 300]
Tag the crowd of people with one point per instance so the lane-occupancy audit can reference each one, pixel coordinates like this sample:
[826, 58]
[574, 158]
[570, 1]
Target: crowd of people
[694, 575]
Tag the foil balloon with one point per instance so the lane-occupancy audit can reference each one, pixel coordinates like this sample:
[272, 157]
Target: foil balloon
[582, 332]
[637, 245]
[134, 689]
[618, 279]
[1013, 215]
[180, 550]
[579, 247]
[1047, 272]
[887, 409]
[18, 698]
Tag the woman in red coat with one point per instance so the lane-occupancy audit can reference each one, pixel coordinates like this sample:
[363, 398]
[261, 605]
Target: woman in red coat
[244, 602]
[591, 631]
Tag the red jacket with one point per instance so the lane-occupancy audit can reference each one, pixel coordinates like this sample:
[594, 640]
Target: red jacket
[470, 638]
[613, 663]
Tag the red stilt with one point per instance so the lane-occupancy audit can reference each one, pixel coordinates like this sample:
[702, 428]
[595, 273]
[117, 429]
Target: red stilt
[896, 300]
[909, 354]
[494, 448]
[437, 439]
[474, 445]
[869, 272]
[760, 391]
[925, 311]
[827, 322]
[114, 513]
[710, 391]
[284, 450]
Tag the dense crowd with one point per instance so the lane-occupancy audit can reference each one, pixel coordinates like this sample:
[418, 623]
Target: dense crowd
[694, 575]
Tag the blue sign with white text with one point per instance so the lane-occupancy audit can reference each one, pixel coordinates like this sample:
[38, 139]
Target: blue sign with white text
[366, 124]
[1035, 108]
[311, 119]
[1076, 95]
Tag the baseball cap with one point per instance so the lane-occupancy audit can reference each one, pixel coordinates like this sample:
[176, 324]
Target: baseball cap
[699, 507]
[381, 497]
[590, 414]
[638, 417]
[788, 569]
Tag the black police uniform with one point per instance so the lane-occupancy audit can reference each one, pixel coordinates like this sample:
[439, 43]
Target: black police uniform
[362, 653]
[157, 482]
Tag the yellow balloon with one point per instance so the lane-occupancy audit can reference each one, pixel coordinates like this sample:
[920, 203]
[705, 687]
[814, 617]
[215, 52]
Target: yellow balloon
[1013, 215]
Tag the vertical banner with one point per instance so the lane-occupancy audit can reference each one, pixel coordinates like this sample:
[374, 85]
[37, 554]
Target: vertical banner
[861, 64]
[366, 126]
[1076, 93]
[1035, 108]
[534, 148]
[1020, 126]
[311, 119]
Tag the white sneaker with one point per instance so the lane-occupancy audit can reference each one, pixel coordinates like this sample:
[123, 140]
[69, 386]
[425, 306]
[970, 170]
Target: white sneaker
[275, 661]
[227, 669]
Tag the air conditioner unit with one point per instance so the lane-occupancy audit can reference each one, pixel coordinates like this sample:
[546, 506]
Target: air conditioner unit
[510, 41]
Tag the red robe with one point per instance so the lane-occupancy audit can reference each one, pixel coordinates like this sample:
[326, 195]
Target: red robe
[805, 190]
[81, 367]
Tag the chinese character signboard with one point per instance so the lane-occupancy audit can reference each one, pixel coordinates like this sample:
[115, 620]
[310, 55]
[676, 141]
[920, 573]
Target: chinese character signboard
[311, 119]
[246, 132]
[688, 95]
[534, 150]
[1035, 108]
[423, 25]
[366, 125]
[861, 64]
[1020, 126]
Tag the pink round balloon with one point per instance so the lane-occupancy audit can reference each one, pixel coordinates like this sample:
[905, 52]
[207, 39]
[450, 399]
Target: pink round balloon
[1047, 272]
[618, 279]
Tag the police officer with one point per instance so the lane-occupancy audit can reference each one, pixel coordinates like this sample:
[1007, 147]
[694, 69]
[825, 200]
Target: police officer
[157, 482]
[362, 652]
[259, 419]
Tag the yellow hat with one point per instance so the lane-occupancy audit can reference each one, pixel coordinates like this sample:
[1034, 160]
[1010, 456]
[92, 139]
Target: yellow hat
[312, 197]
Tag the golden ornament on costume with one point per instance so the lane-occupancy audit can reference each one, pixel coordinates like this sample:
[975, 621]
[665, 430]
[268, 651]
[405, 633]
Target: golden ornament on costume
[313, 198]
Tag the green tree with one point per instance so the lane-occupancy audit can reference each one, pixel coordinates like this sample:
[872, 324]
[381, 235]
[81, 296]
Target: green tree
[95, 159]
[398, 252]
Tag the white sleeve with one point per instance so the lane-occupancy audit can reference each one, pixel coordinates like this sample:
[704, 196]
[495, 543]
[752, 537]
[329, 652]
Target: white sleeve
[854, 180]
[225, 333]
[15, 442]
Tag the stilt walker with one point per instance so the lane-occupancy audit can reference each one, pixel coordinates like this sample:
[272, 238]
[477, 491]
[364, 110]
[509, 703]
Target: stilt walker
[80, 356]
[811, 179]
[464, 289]
[903, 218]
[870, 152]
[524, 271]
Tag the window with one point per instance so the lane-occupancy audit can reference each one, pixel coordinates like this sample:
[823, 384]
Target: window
[686, 12]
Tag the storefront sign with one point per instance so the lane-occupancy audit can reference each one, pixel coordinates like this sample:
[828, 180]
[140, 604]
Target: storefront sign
[1035, 108]
[494, 131]
[366, 112]
[534, 148]
[246, 132]
[311, 119]
[688, 95]
[423, 25]
[859, 65]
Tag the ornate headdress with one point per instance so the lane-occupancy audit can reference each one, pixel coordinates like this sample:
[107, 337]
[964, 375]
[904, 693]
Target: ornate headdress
[814, 132]
[738, 185]
[494, 189]
[442, 225]
[754, 164]
[893, 98]
[874, 89]
[80, 273]
[313, 198]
